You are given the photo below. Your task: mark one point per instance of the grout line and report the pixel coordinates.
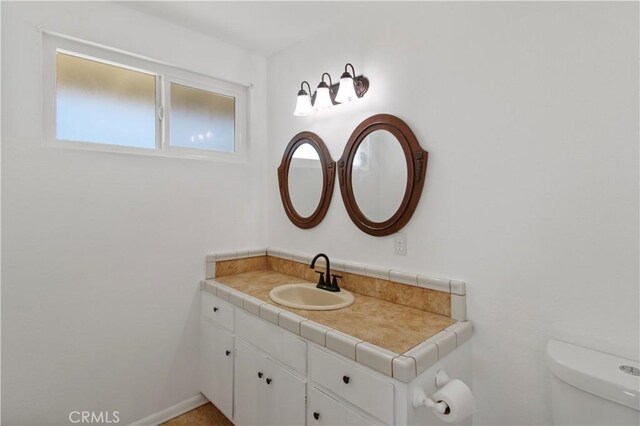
(437, 348)
(355, 349)
(299, 325)
(392, 359)
(415, 364)
(452, 331)
(325, 335)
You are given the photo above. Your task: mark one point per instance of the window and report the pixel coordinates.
(201, 119)
(101, 103)
(102, 99)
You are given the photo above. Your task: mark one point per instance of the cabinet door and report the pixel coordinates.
(216, 366)
(250, 392)
(285, 396)
(326, 411)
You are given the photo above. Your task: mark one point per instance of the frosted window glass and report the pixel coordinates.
(101, 103)
(202, 119)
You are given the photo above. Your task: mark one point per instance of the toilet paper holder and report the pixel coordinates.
(420, 398)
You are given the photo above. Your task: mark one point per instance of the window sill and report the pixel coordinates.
(179, 153)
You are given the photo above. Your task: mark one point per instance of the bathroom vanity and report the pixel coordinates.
(263, 363)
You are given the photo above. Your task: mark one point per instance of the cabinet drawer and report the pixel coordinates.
(330, 412)
(217, 310)
(281, 344)
(354, 384)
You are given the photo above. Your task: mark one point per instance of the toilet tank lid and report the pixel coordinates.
(595, 372)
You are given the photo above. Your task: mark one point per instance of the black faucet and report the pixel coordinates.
(327, 283)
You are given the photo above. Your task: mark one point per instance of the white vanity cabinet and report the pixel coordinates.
(265, 393)
(259, 373)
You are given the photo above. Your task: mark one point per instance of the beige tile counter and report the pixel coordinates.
(400, 324)
(391, 326)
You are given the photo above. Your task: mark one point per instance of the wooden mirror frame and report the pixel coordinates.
(328, 178)
(416, 159)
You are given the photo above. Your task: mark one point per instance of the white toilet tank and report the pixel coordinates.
(589, 387)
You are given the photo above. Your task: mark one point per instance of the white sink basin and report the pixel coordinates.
(307, 296)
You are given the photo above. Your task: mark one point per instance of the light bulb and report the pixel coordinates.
(346, 90)
(303, 104)
(323, 98)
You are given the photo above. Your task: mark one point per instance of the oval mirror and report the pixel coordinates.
(305, 179)
(382, 173)
(379, 175)
(306, 176)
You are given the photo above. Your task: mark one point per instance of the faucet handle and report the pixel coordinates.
(334, 282)
(321, 278)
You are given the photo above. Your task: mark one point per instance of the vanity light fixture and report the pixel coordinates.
(303, 104)
(350, 88)
(323, 94)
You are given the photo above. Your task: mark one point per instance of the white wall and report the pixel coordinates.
(529, 113)
(103, 253)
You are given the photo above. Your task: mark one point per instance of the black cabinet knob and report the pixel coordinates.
(346, 379)
(228, 353)
(260, 374)
(215, 309)
(268, 381)
(316, 415)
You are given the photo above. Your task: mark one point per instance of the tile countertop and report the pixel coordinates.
(416, 338)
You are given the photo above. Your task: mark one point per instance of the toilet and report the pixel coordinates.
(590, 387)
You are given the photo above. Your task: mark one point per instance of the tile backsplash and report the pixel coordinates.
(437, 295)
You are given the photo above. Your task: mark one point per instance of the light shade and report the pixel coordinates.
(303, 105)
(346, 91)
(323, 98)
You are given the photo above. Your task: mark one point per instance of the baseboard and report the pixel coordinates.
(173, 411)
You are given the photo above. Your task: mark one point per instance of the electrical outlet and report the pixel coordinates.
(400, 243)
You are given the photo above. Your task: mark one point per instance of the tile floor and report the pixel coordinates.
(205, 415)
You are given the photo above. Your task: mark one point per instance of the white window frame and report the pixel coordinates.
(165, 75)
